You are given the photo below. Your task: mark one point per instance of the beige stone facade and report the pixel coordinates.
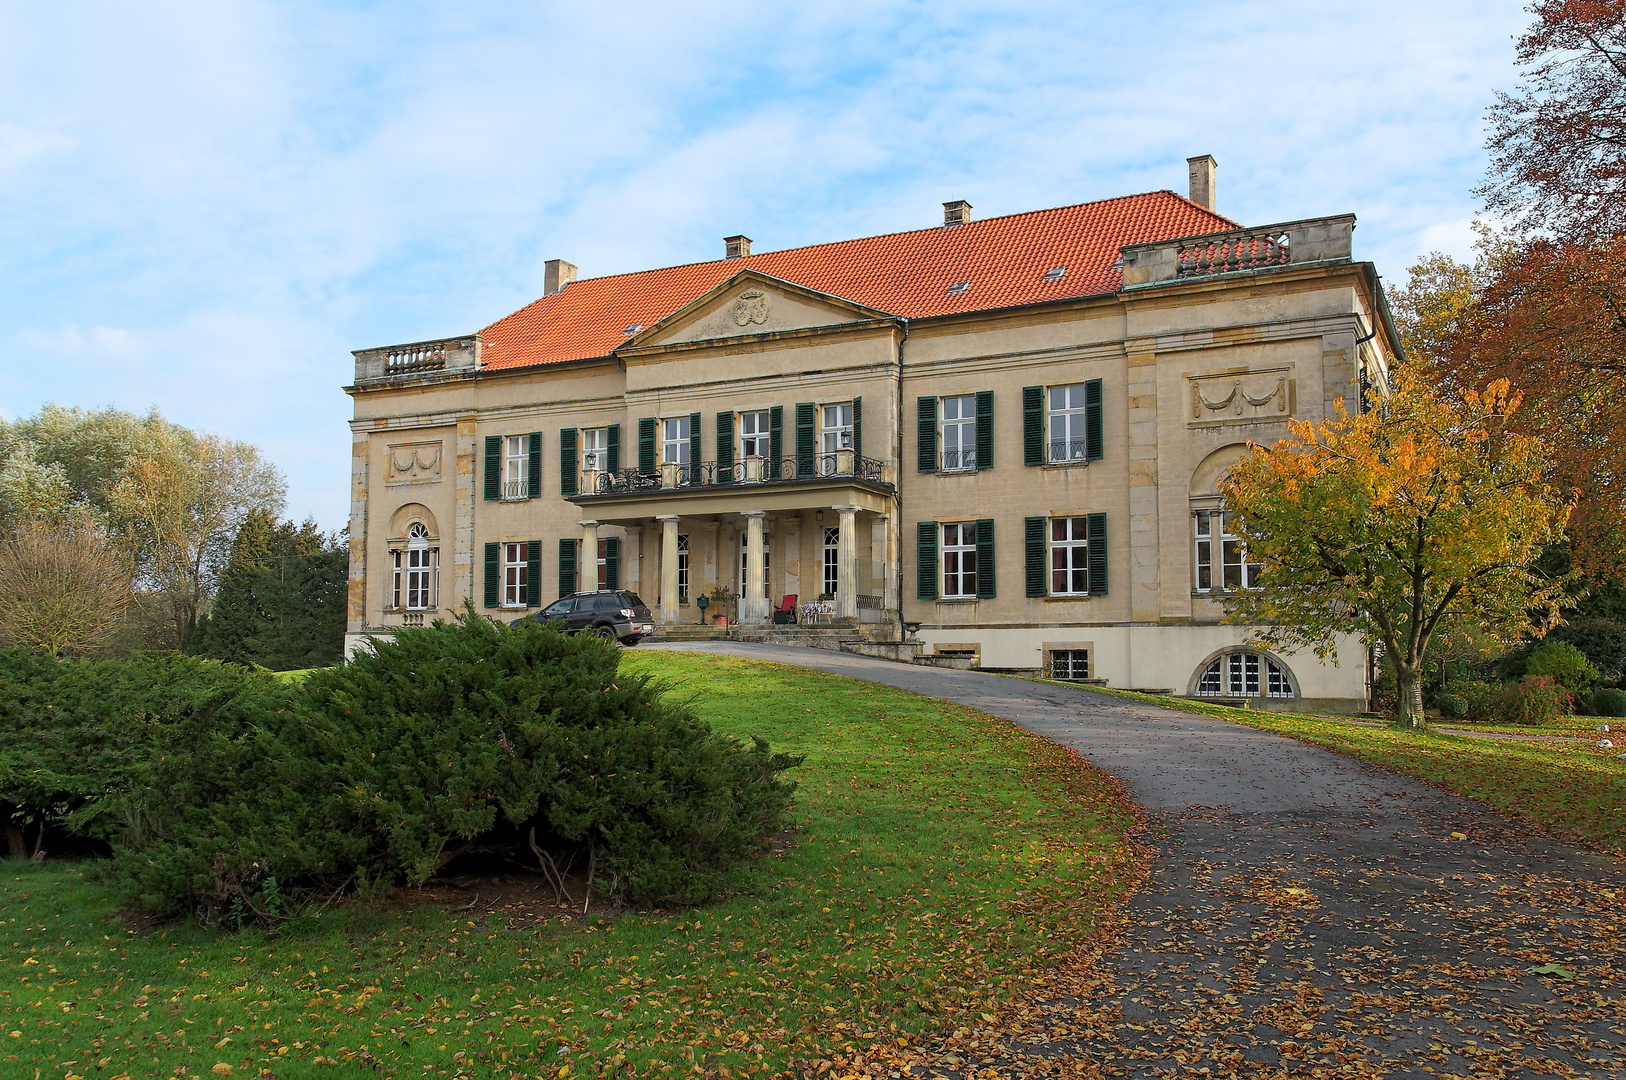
(1026, 484)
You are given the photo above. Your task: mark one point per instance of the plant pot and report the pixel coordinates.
(719, 620)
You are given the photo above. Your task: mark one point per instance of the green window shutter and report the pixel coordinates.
(776, 439)
(725, 448)
(533, 573)
(985, 429)
(695, 451)
(858, 427)
(612, 562)
(1094, 443)
(1034, 529)
(804, 439)
(926, 407)
(493, 467)
(568, 443)
(646, 445)
(567, 567)
(1097, 532)
(926, 560)
(612, 448)
(1033, 425)
(493, 574)
(985, 558)
(533, 471)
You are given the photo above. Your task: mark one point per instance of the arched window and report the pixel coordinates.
(416, 571)
(1243, 673)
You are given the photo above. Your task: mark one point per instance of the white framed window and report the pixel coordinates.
(1070, 663)
(1220, 556)
(416, 572)
(957, 419)
(683, 566)
(960, 560)
(1244, 674)
(595, 448)
(514, 575)
(1069, 557)
(832, 559)
(516, 464)
(754, 434)
(1067, 420)
(603, 563)
(838, 427)
(767, 564)
(675, 440)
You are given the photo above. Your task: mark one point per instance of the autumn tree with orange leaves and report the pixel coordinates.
(1392, 522)
(1544, 306)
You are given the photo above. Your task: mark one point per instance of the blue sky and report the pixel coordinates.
(204, 206)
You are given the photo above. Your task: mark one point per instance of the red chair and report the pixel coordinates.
(787, 611)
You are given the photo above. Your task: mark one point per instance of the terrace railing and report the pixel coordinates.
(743, 473)
(1269, 247)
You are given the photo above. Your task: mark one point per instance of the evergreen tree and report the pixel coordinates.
(282, 598)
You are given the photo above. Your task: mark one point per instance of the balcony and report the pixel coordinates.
(748, 472)
(1270, 247)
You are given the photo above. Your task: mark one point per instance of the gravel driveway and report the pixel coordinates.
(1308, 914)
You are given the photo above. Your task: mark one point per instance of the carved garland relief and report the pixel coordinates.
(1249, 396)
(414, 463)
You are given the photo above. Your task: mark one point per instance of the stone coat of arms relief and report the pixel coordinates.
(414, 463)
(1246, 396)
(751, 307)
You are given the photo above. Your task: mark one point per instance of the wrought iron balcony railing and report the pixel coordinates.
(744, 473)
(958, 461)
(1069, 450)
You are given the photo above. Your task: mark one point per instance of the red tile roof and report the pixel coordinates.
(1004, 260)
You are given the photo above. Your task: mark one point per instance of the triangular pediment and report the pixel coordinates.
(750, 303)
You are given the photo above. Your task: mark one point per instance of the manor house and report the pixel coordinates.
(998, 438)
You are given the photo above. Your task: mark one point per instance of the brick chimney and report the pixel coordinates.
(1202, 179)
(556, 274)
(957, 212)
(736, 247)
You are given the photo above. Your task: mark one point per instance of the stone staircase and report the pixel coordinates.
(865, 639)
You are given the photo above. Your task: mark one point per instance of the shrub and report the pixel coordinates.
(1608, 701)
(457, 738)
(1564, 663)
(1450, 704)
(1536, 699)
(1479, 700)
(1602, 641)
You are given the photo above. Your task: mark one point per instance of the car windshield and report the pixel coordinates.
(556, 609)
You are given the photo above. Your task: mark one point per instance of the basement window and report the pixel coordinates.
(1055, 273)
(959, 287)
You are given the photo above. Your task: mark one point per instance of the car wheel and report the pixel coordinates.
(605, 632)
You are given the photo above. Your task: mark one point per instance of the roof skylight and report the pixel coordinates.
(633, 329)
(1055, 273)
(959, 287)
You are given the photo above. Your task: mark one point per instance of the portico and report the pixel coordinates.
(810, 537)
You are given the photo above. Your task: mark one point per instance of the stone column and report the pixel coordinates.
(356, 603)
(588, 567)
(847, 563)
(669, 569)
(752, 604)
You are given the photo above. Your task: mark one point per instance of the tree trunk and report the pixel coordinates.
(16, 843)
(1409, 695)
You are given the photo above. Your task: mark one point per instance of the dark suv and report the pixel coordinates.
(615, 615)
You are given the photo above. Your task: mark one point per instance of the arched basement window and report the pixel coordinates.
(1244, 674)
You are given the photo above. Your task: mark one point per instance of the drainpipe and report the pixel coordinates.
(897, 499)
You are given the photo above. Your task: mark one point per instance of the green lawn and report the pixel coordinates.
(1570, 788)
(940, 857)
